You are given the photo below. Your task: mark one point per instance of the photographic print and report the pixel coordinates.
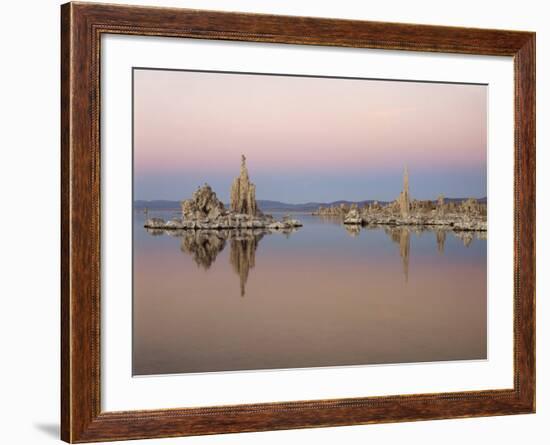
(285, 221)
(274, 222)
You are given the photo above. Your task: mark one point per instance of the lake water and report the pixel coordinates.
(320, 296)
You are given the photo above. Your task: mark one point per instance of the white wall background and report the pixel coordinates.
(29, 222)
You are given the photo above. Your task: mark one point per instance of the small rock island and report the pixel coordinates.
(205, 211)
(466, 215)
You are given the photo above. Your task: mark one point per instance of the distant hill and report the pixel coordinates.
(272, 206)
(156, 205)
(480, 200)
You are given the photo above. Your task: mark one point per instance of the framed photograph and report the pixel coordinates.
(274, 222)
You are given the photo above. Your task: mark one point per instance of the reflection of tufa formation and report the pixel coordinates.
(204, 246)
(205, 211)
(243, 257)
(401, 235)
(467, 215)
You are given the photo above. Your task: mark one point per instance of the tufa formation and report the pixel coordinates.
(243, 193)
(205, 211)
(468, 215)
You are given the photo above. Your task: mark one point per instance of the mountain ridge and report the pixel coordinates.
(271, 205)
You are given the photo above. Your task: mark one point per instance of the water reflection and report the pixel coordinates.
(402, 237)
(468, 237)
(440, 236)
(343, 293)
(353, 229)
(243, 257)
(205, 245)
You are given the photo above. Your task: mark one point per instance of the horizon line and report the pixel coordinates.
(325, 202)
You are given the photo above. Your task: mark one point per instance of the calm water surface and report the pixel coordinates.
(320, 296)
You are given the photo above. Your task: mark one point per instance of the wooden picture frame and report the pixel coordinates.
(82, 25)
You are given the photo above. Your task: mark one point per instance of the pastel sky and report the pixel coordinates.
(307, 138)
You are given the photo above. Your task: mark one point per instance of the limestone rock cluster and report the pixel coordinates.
(353, 216)
(337, 210)
(468, 215)
(204, 204)
(205, 211)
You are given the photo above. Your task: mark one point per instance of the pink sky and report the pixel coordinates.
(189, 122)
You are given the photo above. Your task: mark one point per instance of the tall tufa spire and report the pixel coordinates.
(243, 192)
(404, 197)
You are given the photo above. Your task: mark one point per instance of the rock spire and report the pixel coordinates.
(404, 199)
(243, 193)
(205, 211)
